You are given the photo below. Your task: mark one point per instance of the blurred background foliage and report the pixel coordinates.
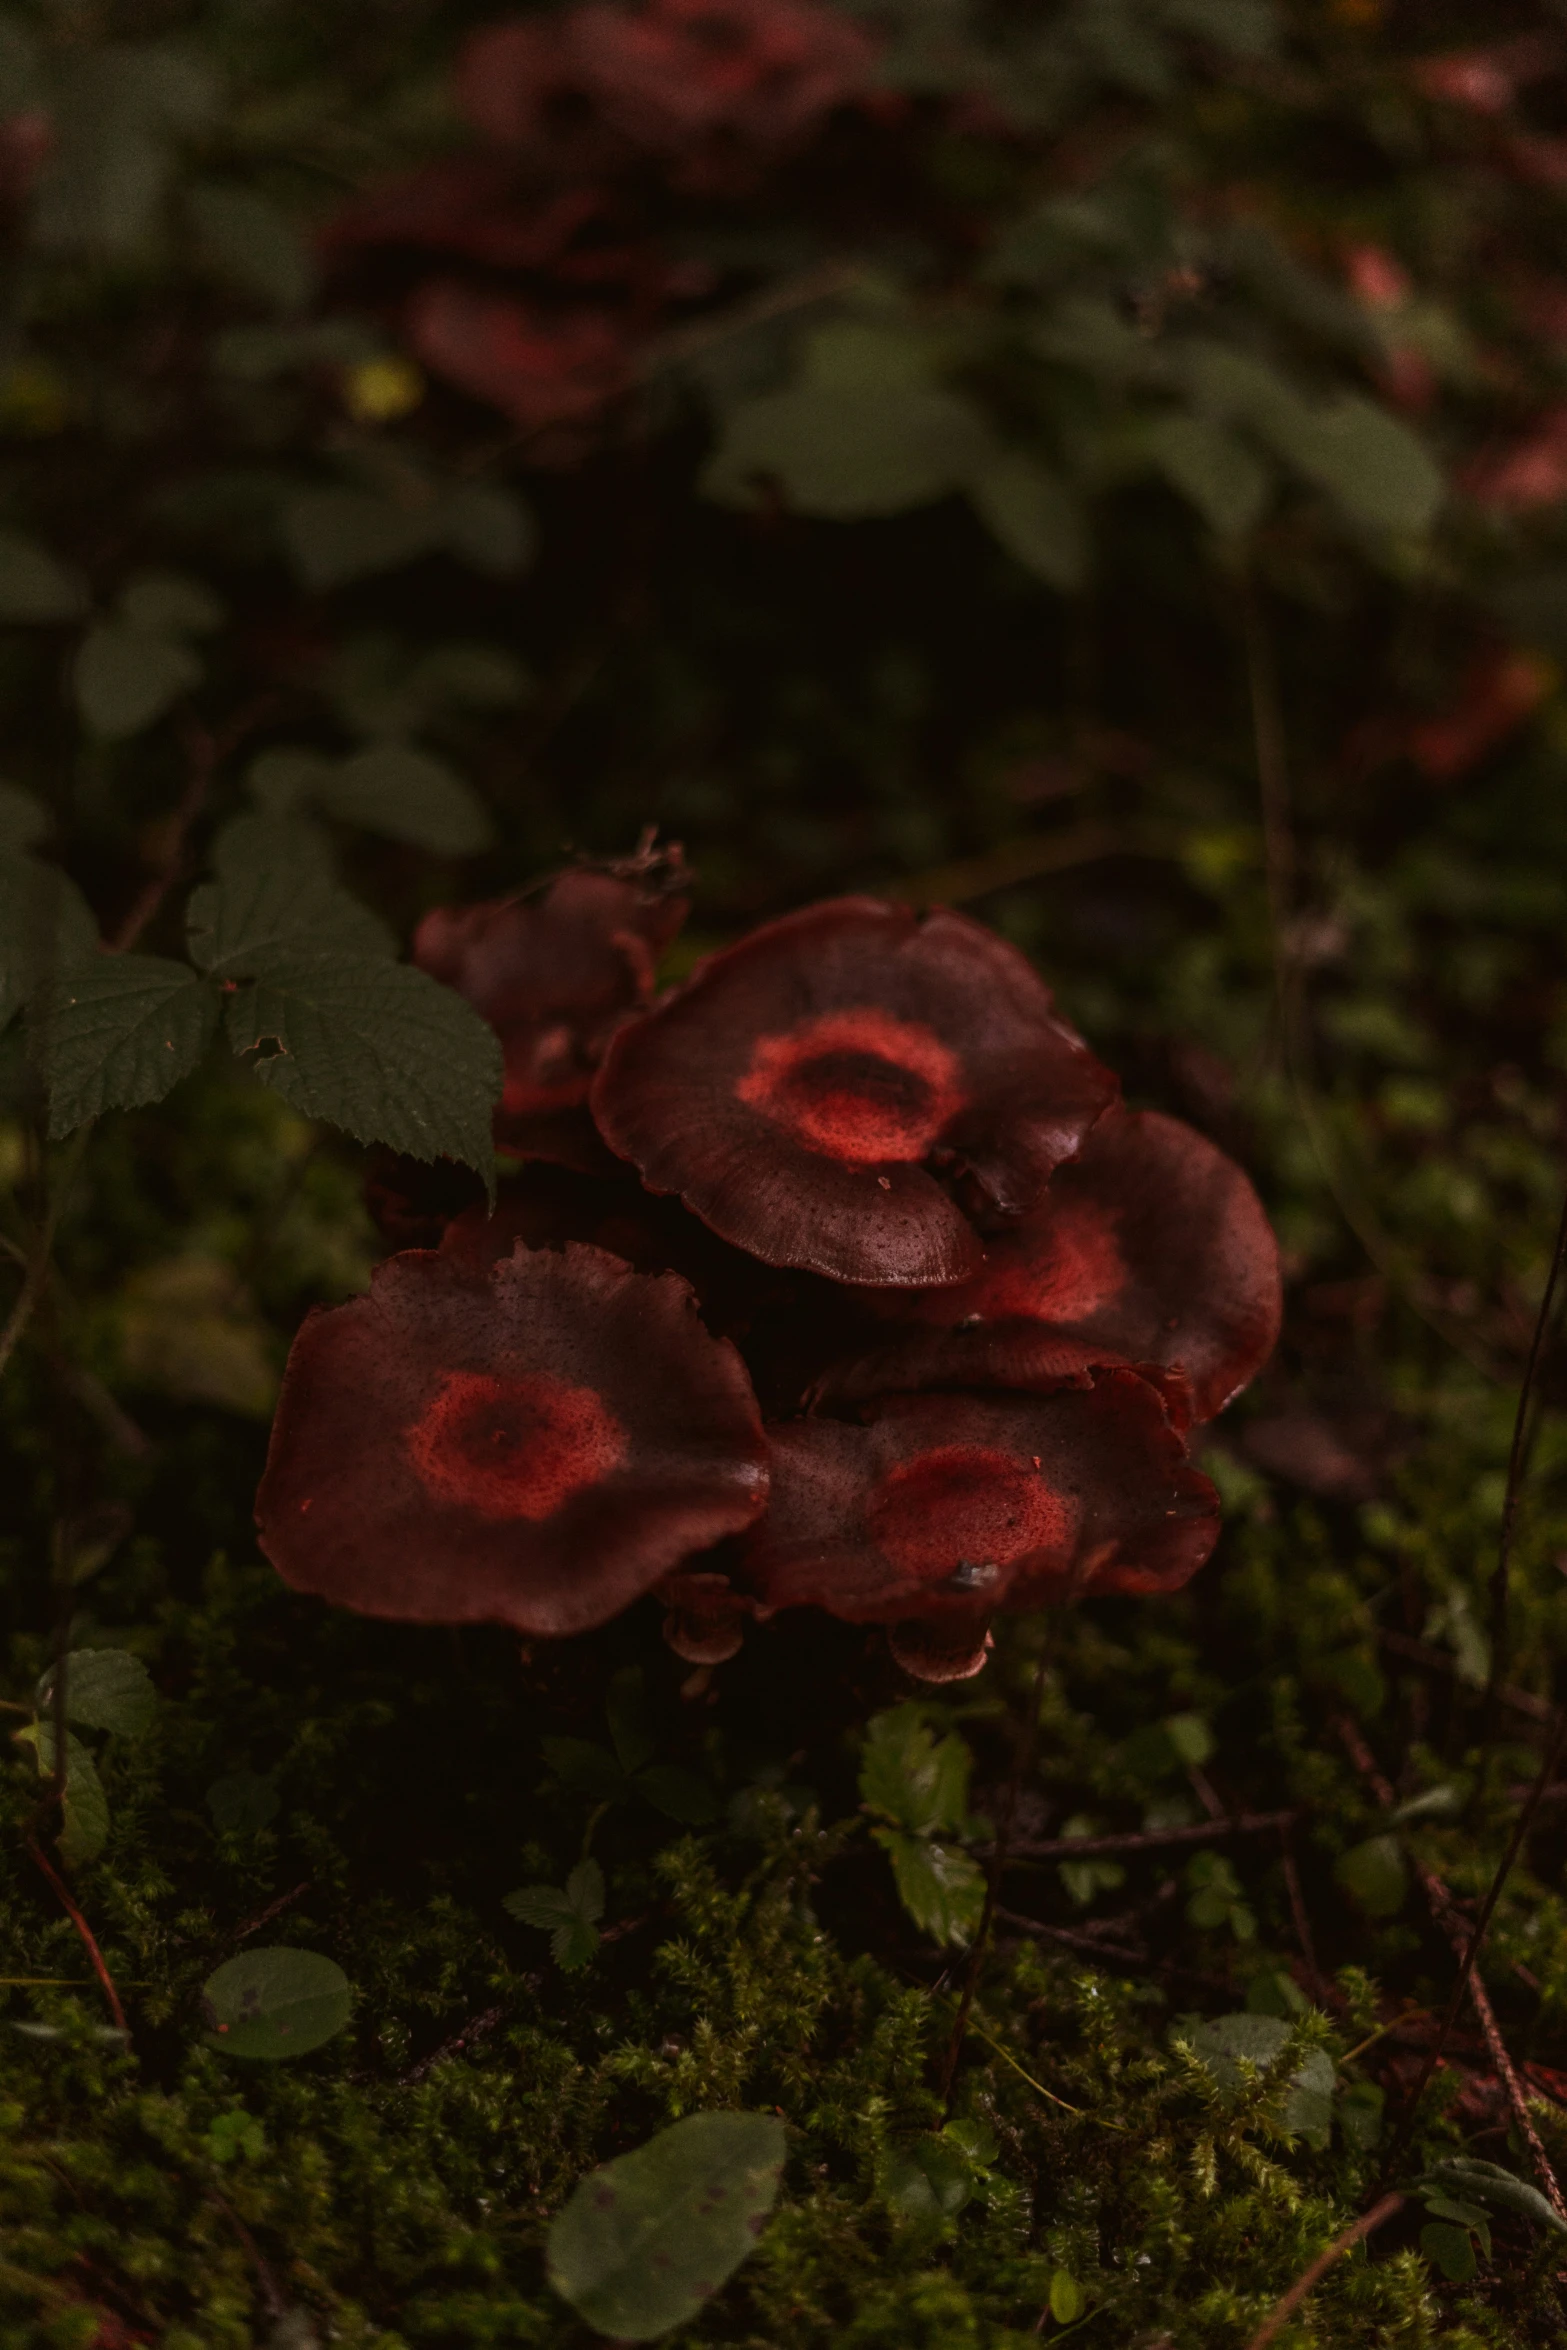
(1103, 464)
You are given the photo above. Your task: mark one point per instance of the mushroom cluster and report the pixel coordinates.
(837, 1277)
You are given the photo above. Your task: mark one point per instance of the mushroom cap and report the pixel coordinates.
(826, 1093)
(533, 1442)
(1150, 1249)
(946, 1508)
(554, 977)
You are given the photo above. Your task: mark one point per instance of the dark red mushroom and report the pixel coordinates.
(1150, 1248)
(942, 1510)
(555, 977)
(535, 1442)
(849, 1087)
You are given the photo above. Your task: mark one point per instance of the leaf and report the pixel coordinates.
(268, 2004)
(928, 2180)
(118, 109)
(105, 1689)
(1452, 2250)
(569, 1914)
(915, 1781)
(34, 586)
(1375, 1875)
(1036, 516)
(1213, 470)
(166, 603)
(1066, 2297)
(243, 1802)
(378, 1049)
(1376, 469)
(125, 677)
(679, 1794)
(188, 1328)
(338, 535)
(408, 795)
(84, 1806)
(1224, 2043)
(24, 820)
(253, 244)
(119, 1032)
(275, 901)
(940, 1887)
(489, 528)
(1360, 2115)
(647, 2240)
(45, 923)
(586, 1770)
(1501, 2188)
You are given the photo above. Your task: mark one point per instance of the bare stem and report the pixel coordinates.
(89, 1941)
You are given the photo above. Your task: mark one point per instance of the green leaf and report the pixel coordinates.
(940, 1887)
(1213, 470)
(1360, 2115)
(1036, 516)
(679, 1794)
(488, 528)
(125, 678)
(378, 1049)
(1067, 2299)
(34, 586)
(267, 2004)
(167, 603)
(253, 244)
(1451, 2249)
(930, 2179)
(45, 924)
(118, 109)
(569, 1914)
(586, 1770)
(84, 1807)
(1307, 2107)
(1490, 2183)
(338, 535)
(119, 1032)
(105, 1689)
(408, 795)
(1191, 1739)
(275, 901)
(1376, 470)
(645, 2242)
(1375, 1875)
(914, 1780)
(24, 820)
(243, 1802)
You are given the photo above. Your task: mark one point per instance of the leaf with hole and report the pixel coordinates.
(105, 1689)
(378, 1049)
(646, 2241)
(120, 1032)
(268, 2004)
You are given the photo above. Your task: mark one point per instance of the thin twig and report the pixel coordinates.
(1150, 1839)
(1515, 1465)
(1274, 2323)
(478, 2028)
(1020, 1767)
(275, 2304)
(1301, 1917)
(1440, 1660)
(85, 1931)
(265, 1916)
(1139, 1961)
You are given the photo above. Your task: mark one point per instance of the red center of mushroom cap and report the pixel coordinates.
(1066, 1272)
(965, 1511)
(514, 1447)
(860, 1085)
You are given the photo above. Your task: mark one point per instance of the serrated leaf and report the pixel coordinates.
(24, 819)
(917, 1781)
(167, 603)
(379, 1049)
(119, 1032)
(125, 678)
(407, 795)
(940, 1887)
(679, 1794)
(544, 1906)
(268, 2004)
(338, 535)
(35, 587)
(274, 903)
(1375, 1875)
(105, 1689)
(570, 1915)
(1036, 516)
(84, 1807)
(646, 2241)
(1213, 469)
(45, 924)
